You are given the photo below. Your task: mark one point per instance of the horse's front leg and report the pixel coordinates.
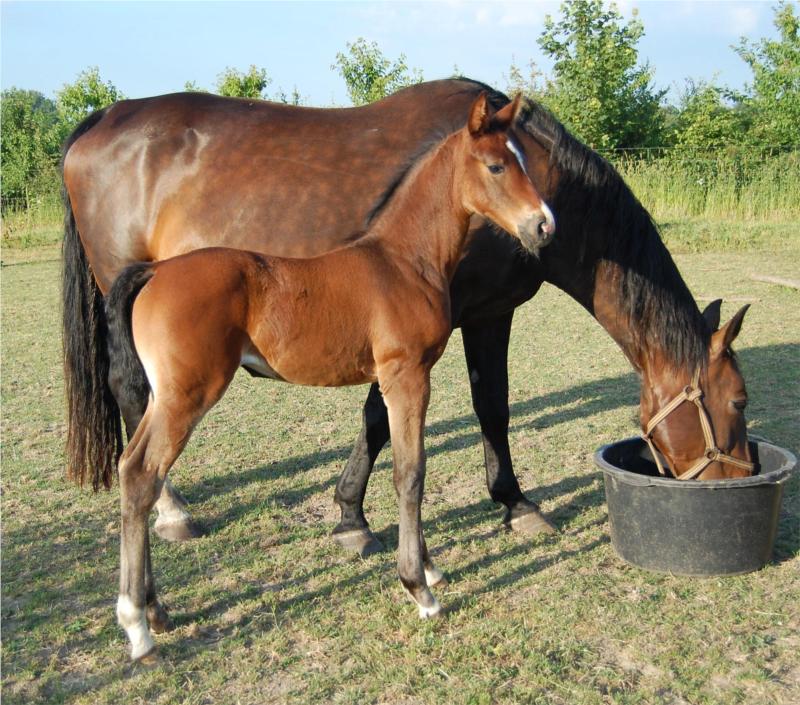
(406, 394)
(486, 351)
(353, 532)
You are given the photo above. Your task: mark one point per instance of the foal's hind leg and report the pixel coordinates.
(486, 351)
(173, 523)
(155, 446)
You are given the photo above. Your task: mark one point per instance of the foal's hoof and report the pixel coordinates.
(158, 619)
(531, 523)
(176, 531)
(435, 610)
(360, 541)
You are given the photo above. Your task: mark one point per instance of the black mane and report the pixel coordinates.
(601, 219)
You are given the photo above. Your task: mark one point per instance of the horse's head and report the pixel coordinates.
(696, 419)
(494, 178)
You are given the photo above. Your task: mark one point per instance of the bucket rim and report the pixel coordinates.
(774, 477)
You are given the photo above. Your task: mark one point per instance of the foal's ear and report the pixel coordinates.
(478, 121)
(722, 339)
(711, 313)
(506, 116)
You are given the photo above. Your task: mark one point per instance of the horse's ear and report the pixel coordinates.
(711, 313)
(478, 122)
(722, 339)
(507, 115)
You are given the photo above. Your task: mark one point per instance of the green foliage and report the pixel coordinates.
(773, 104)
(29, 148)
(369, 75)
(599, 90)
(705, 117)
(236, 84)
(88, 93)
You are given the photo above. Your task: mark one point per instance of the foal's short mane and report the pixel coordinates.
(597, 209)
(496, 100)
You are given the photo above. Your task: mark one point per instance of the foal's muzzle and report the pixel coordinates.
(538, 230)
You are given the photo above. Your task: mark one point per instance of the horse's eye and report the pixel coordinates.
(496, 168)
(739, 404)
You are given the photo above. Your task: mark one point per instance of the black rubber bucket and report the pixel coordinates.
(692, 527)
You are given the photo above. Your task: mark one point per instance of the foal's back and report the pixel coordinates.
(321, 321)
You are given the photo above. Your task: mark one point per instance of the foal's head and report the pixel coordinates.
(494, 178)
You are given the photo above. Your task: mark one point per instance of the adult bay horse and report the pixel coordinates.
(218, 167)
(376, 310)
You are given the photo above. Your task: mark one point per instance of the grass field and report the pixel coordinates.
(268, 609)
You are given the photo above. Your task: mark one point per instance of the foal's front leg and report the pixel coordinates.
(406, 394)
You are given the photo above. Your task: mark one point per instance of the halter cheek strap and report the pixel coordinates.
(694, 394)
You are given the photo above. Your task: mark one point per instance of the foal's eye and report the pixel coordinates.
(496, 168)
(739, 404)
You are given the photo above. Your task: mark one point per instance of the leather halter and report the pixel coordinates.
(694, 394)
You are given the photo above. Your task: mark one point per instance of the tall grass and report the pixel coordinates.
(742, 184)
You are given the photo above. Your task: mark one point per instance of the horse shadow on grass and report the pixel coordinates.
(533, 414)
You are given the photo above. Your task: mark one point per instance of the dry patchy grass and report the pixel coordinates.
(267, 609)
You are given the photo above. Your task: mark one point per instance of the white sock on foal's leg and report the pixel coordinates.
(133, 620)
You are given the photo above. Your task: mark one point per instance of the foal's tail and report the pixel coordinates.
(94, 434)
(126, 375)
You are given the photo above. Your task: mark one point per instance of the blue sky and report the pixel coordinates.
(146, 48)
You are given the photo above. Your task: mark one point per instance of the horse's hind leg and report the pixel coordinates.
(486, 351)
(353, 532)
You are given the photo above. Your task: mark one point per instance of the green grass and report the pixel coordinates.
(267, 609)
(715, 185)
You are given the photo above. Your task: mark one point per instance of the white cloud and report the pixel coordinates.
(743, 20)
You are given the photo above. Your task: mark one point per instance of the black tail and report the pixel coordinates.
(126, 376)
(94, 435)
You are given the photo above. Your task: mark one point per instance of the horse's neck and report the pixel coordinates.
(425, 221)
(596, 279)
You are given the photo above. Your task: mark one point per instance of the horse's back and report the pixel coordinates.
(159, 176)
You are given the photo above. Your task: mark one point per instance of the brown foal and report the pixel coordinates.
(376, 310)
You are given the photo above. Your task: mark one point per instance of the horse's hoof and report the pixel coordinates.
(531, 523)
(176, 531)
(360, 541)
(158, 619)
(435, 578)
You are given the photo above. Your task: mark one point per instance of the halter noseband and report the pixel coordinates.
(694, 394)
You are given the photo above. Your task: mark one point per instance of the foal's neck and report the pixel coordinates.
(425, 220)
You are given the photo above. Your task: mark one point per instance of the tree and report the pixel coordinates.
(706, 117)
(369, 75)
(528, 83)
(236, 84)
(599, 90)
(88, 93)
(30, 145)
(773, 101)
